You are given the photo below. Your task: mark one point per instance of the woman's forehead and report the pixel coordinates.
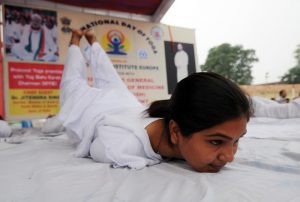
(232, 129)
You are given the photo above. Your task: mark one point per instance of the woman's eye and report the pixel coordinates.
(215, 142)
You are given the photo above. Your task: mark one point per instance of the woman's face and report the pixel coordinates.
(209, 150)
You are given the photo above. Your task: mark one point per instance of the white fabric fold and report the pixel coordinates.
(5, 129)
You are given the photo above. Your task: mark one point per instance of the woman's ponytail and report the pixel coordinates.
(159, 109)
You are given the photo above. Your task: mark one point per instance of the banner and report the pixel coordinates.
(149, 57)
(33, 88)
(142, 53)
(1, 82)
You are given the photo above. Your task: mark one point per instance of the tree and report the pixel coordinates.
(232, 62)
(293, 74)
(297, 55)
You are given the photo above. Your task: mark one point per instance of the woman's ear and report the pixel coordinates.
(174, 131)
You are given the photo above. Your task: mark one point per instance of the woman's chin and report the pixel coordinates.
(210, 169)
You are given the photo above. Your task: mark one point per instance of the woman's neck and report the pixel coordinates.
(159, 140)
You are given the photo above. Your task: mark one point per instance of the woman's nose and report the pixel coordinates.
(227, 154)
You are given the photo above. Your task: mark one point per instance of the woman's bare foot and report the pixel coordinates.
(76, 36)
(90, 36)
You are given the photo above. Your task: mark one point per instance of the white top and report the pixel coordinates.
(5, 129)
(281, 100)
(107, 119)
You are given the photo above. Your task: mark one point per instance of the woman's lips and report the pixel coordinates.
(215, 167)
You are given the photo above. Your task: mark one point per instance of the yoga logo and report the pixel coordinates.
(115, 42)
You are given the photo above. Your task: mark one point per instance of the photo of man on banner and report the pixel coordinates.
(31, 34)
(180, 62)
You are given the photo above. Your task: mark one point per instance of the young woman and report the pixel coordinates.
(201, 123)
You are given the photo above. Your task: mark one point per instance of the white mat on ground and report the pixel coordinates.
(35, 167)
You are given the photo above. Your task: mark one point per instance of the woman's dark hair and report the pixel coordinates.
(202, 100)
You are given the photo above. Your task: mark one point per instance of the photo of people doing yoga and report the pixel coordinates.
(201, 123)
(31, 34)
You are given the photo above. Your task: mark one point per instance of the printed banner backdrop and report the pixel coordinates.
(137, 50)
(1, 83)
(34, 88)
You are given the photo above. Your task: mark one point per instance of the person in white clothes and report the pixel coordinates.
(11, 33)
(273, 109)
(5, 129)
(181, 61)
(201, 123)
(282, 97)
(36, 43)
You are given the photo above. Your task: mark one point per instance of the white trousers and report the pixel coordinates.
(84, 107)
